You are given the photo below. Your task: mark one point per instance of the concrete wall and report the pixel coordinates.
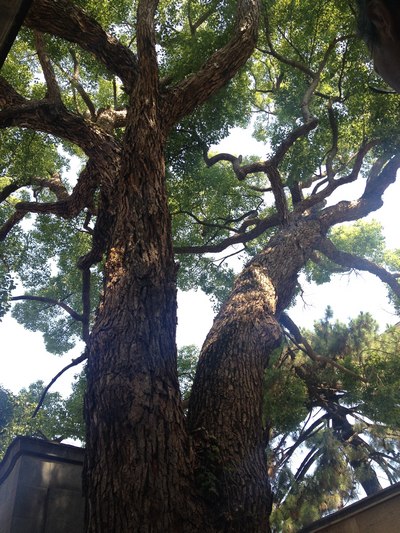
(40, 488)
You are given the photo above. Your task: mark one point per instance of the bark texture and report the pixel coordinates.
(145, 472)
(225, 410)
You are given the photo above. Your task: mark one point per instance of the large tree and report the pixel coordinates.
(116, 84)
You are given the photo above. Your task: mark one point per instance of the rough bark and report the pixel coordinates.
(137, 463)
(143, 471)
(226, 402)
(139, 468)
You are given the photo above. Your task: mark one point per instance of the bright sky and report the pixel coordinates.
(23, 358)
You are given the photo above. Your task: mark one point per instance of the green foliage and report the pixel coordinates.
(363, 238)
(187, 362)
(347, 429)
(57, 419)
(285, 397)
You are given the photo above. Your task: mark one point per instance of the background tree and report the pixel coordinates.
(344, 421)
(116, 87)
(55, 421)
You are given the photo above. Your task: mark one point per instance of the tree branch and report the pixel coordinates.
(259, 228)
(53, 90)
(74, 362)
(51, 301)
(146, 45)
(68, 206)
(64, 19)
(182, 99)
(299, 340)
(13, 220)
(360, 263)
(371, 200)
(51, 117)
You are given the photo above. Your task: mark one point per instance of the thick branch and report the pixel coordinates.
(332, 185)
(53, 90)
(146, 45)
(370, 201)
(53, 118)
(64, 19)
(14, 219)
(68, 206)
(218, 69)
(360, 263)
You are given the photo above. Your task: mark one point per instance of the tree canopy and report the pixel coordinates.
(138, 93)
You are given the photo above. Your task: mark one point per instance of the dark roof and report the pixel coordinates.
(353, 509)
(12, 14)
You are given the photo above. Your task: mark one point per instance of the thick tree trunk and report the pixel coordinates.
(137, 471)
(225, 410)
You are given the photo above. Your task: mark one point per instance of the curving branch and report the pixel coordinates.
(371, 200)
(68, 205)
(63, 19)
(303, 345)
(318, 197)
(12, 221)
(348, 260)
(51, 117)
(74, 362)
(51, 301)
(282, 59)
(74, 81)
(260, 227)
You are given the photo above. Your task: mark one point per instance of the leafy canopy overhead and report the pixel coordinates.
(309, 68)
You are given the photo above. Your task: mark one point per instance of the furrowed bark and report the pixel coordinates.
(138, 472)
(137, 466)
(225, 408)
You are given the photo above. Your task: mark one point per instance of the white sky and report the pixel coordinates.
(23, 358)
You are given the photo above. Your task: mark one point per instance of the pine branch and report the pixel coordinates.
(302, 343)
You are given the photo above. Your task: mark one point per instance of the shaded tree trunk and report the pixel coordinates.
(358, 454)
(138, 470)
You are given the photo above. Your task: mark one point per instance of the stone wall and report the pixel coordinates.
(40, 488)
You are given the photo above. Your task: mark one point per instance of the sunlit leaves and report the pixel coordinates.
(361, 238)
(58, 418)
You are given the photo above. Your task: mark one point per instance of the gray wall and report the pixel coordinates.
(40, 488)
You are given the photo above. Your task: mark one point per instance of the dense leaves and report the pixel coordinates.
(58, 419)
